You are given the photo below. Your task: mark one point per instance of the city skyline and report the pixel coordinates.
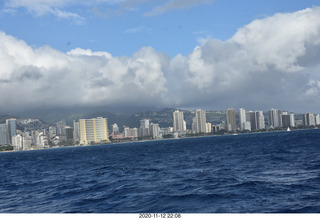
(95, 130)
(182, 54)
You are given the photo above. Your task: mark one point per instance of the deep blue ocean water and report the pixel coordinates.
(252, 173)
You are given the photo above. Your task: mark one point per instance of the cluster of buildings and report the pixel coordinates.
(92, 131)
(146, 130)
(256, 120)
(83, 132)
(244, 121)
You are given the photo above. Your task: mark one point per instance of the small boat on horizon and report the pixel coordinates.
(288, 129)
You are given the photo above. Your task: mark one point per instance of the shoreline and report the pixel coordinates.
(165, 139)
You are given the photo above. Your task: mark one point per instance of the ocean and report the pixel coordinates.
(272, 172)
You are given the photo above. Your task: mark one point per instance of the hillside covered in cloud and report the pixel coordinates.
(271, 62)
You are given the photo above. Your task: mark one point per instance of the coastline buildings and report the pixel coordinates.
(93, 130)
(280, 119)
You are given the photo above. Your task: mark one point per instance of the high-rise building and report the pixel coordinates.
(154, 130)
(3, 134)
(261, 123)
(11, 129)
(34, 137)
(130, 132)
(231, 119)
(309, 119)
(208, 127)
(317, 119)
(26, 141)
(200, 121)
(76, 131)
(253, 119)
(292, 120)
(243, 120)
(93, 130)
(60, 127)
(194, 124)
(42, 140)
(114, 129)
(17, 142)
(178, 121)
(247, 125)
(68, 132)
(144, 128)
(144, 123)
(285, 119)
(256, 119)
(52, 131)
(274, 118)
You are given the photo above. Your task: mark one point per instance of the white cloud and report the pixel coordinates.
(271, 62)
(47, 77)
(267, 63)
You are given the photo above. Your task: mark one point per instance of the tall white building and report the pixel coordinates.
(76, 131)
(52, 131)
(144, 123)
(178, 121)
(243, 120)
(93, 130)
(17, 142)
(208, 127)
(274, 118)
(26, 141)
(144, 128)
(292, 120)
(261, 123)
(317, 119)
(60, 126)
(114, 129)
(42, 140)
(154, 130)
(200, 121)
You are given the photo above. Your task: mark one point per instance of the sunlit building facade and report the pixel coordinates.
(93, 130)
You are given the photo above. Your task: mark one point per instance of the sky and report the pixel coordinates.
(188, 54)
